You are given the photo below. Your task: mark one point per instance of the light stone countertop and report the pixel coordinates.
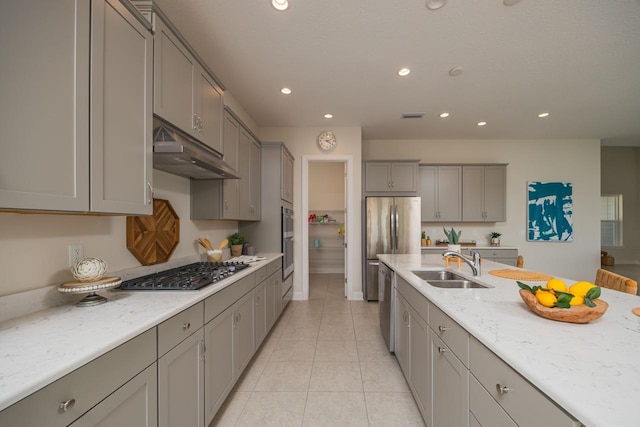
(39, 348)
(591, 370)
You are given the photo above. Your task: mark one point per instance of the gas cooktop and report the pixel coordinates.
(189, 277)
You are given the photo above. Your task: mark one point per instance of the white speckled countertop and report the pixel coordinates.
(591, 370)
(39, 348)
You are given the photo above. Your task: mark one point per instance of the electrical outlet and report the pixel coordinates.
(76, 253)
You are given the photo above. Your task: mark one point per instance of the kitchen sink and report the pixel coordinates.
(429, 275)
(447, 279)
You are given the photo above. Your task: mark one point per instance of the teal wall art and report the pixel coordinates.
(550, 211)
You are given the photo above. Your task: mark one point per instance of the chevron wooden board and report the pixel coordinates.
(153, 238)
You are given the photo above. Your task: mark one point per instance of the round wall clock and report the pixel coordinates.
(327, 141)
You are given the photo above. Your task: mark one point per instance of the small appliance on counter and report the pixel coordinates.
(89, 273)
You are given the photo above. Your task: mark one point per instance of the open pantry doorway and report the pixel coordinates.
(327, 210)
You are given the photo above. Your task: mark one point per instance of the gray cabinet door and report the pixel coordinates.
(44, 156)
(286, 178)
(404, 176)
(230, 187)
(121, 117)
(133, 404)
(495, 190)
(174, 73)
(255, 210)
(441, 193)
(260, 324)
(420, 361)
(483, 410)
(244, 168)
(181, 384)
(376, 175)
(273, 292)
(484, 193)
(403, 324)
(218, 361)
(428, 193)
(450, 386)
(243, 334)
(208, 108)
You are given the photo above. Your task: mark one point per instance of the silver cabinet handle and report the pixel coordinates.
(195, 121)
(203, 349)
(67, 405)
(502, 389)
(150, 200)
(186, 326)
(239, 317)
(442, 350)
(442, 328)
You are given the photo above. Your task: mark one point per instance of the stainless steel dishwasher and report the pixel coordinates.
(386, 305)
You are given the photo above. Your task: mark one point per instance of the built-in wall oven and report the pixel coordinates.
(287, 242)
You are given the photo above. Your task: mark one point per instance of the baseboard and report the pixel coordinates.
(356, 296)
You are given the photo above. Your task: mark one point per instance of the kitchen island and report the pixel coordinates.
(40, 348)
(589, 370)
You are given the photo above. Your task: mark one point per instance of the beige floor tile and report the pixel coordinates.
(383, 376)
(250, 376)
(335, 376)
(273, 409)
(336, 351)
(285, 376)
(368, 332)
(329, 409)
(392, 409)
(230, 411)
(295, 332)
(338, 332)
(358, 307)
(299, 351)
(374, 351)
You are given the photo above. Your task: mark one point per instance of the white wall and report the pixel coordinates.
(34, 247)
(575, 161)
(302, 142)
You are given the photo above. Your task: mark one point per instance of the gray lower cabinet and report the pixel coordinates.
(419, 357)
(243, 334)
(403, 323)
(133, 404)
(219, 378)
(99, 145)
(483, 410)
(260, 318)
(450, 386)
(127, 372)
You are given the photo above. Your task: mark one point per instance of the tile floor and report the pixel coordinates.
(323, 364)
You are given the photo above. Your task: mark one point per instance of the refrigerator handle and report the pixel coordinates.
(392, 231)
(397, 219)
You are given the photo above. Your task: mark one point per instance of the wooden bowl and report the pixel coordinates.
(575, 314)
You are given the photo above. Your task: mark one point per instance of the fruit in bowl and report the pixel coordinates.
(89, 269)
(578, 303)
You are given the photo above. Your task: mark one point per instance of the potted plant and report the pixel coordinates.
(423, 238)
(495, 238)
(453, 238)
(236, 241)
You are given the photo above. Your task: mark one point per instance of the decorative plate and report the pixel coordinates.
(575, 314)
(153, 238)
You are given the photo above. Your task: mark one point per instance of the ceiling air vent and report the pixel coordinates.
(413, 115)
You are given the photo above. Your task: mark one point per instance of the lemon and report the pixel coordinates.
(576, 301)
(546, 298)
(580, 289)
(557, 285)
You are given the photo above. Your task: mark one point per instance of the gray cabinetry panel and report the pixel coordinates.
(484, 193)
(219, 361)
(391, 177)
(441, 193)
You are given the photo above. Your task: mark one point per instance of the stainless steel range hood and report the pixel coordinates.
(178, 154)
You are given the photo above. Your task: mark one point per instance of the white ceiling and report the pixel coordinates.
(577, 59)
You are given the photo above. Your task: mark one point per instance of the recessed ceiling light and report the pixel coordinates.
(510, 2)
(482, 123)
(456, 71)
(285, 91)
(280, 4)
(404, 72)
(543, 115)
(328, 116)
(444, 115)
(435, 4)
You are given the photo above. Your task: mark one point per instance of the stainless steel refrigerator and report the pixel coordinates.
(392, 227)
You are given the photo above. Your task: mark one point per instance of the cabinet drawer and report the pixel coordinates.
(450, 332)
(414, 298)
(86, 386)
(522, 401)
(484, 409)
(274, 266)
(496, 253)
(261, 274)
(216, 304)
(173, 331)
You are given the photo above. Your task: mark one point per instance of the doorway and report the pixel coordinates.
(326, 246)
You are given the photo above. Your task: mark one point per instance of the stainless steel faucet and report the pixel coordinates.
(473, 262)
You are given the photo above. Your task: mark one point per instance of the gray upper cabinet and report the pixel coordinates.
(93, 123)
(484, 193)
(385, 177)
(441, 193)
(121, 119)
(249, 167)
(44, 134)
(230, 187)
(286, 179)
(184, 93)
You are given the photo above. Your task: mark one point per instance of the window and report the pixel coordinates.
(611, 220)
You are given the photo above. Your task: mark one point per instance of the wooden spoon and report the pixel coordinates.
(223, 244)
